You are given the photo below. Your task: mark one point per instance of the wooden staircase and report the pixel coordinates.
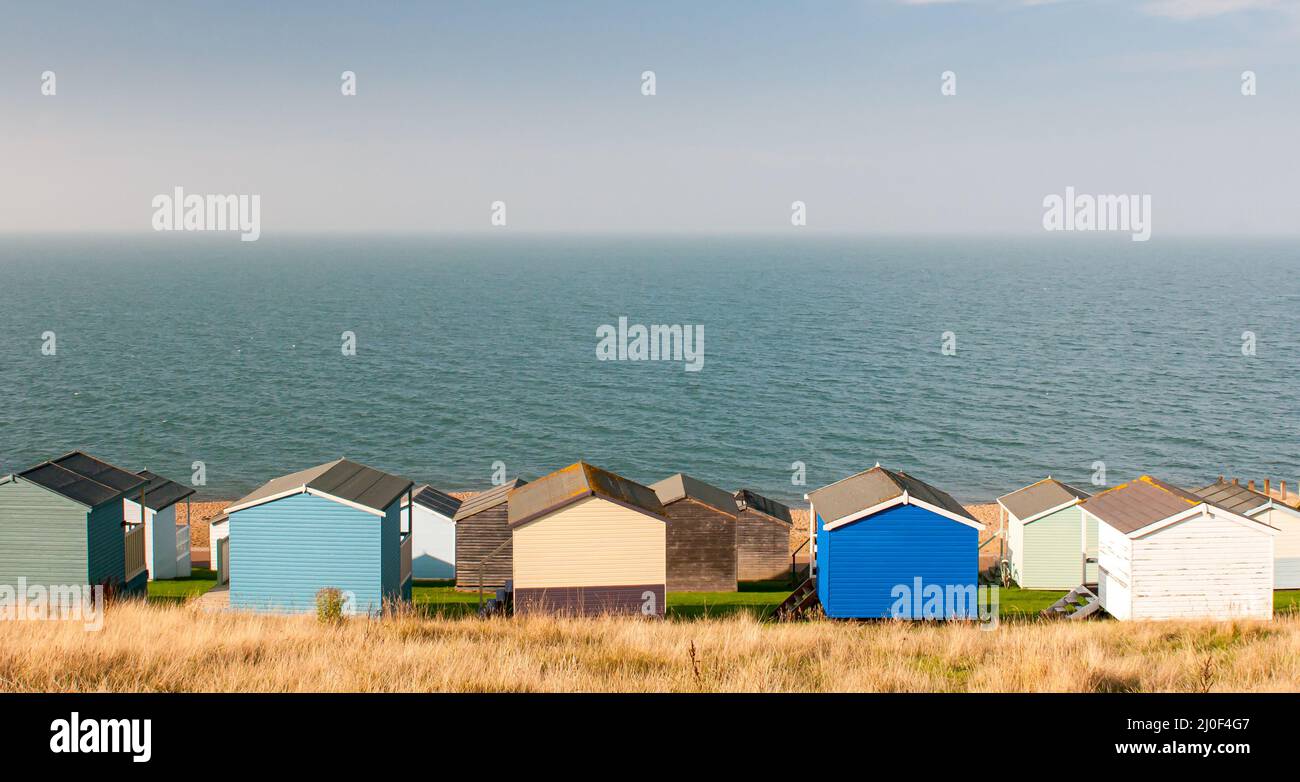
(1079, 603)
(800, 600)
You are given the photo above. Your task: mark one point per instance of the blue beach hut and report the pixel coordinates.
(336, 525)
(886, 544)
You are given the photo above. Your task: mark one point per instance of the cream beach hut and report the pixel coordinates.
(586, 542)
(1048, 542)
(1261, 507)
(1166, 553)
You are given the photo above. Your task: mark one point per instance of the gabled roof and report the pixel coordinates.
(352, 483)
(1233, 497)
(1140, 503)
(575, 482)
(682, 487)
(161, 493)
(434, 500)
(487, 500)
(845, 498)
(83, 479)
(747, 500)
(1036, 499)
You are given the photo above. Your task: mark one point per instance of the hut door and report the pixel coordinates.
(223, 561)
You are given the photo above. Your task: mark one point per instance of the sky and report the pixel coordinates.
(757, 105)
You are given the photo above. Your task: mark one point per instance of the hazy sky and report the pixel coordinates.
(539, 105)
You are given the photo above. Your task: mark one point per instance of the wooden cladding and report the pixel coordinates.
(701, 548)
(762, 547)
(477, 536)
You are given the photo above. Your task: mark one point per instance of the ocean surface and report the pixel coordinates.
(824, 351)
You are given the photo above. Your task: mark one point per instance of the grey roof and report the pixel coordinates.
(488, 499)
(1140, 503)
(346, 480)
(747, 499)
(1233, 496)
(434, 500)
(83, 478)
(872, 487)
(573, 483)
(161, 493)
(1042, 496)
(681, 487)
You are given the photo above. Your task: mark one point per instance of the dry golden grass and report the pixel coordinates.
(180, 648)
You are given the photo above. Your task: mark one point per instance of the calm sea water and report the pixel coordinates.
(825, 351)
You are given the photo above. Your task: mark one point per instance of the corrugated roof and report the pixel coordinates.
(1233, 496)
(750, 499)
(434, 500)
(681, 486)
(83, 478)
(1140, 503)
(344, 479)
(1042, 496)
(488, 499)
(161, 493)
(872, 487)
(578, 480)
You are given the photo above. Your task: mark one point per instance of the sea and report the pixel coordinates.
(977, 364)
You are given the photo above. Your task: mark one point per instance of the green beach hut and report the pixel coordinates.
(1047, 545)
(61, 524)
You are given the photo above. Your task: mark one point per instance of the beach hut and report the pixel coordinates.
(1048, 542)
(335, 525)
(588, 542)
(762, 537)
(483, 552)
(887, 544)
(62, 524)
(1166, 553)
(166, 542)
(219, 546)
(1261, 507)
(701, 535)
(433, 532)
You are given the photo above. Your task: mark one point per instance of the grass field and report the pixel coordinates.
(178, 589)
(153, 646)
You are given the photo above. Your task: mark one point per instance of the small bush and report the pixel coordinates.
(329, 605)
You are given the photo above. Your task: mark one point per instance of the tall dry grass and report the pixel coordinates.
(180, 648)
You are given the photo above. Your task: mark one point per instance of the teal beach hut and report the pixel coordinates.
(337, 525)
(61, 524)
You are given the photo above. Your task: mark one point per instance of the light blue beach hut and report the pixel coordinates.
(335, 525)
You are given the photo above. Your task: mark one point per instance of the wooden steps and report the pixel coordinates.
(800, 600)
(1079, 603)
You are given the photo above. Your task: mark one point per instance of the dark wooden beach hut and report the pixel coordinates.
(762, 537)
(701, 535)
(483, 538)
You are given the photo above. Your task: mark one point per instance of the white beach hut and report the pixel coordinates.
(166, 543)
(1166, 553)
(1273, 512)
(433, 533)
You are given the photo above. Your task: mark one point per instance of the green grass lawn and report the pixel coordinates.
(1286, 601)
(178, 589)
(759, 598)
(441, 598)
